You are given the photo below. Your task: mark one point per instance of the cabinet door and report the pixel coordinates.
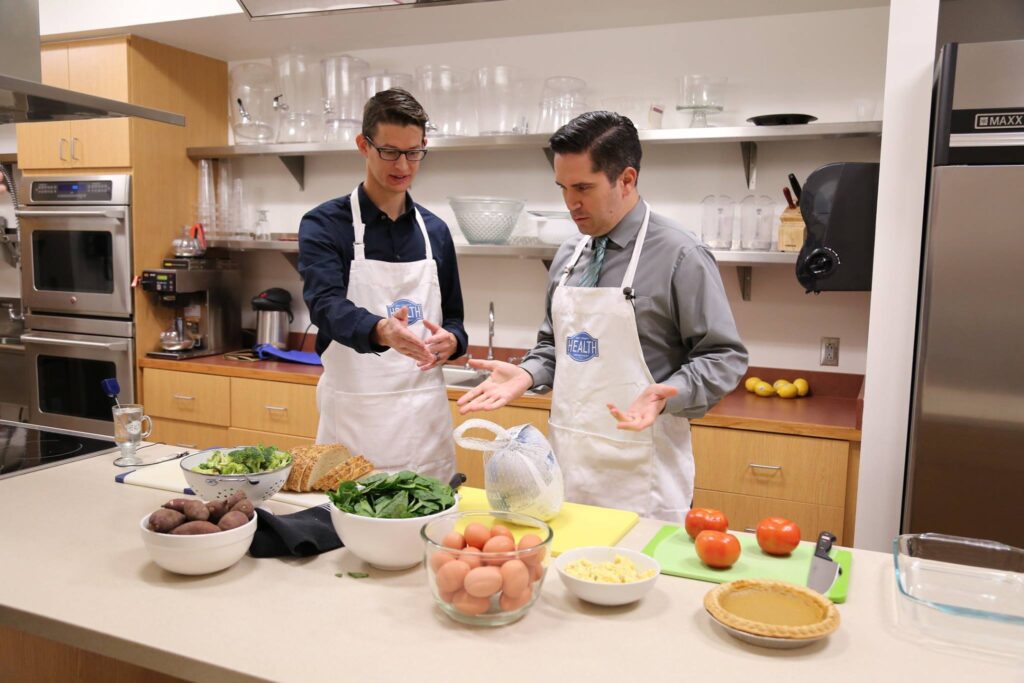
(44, 146)
(54, 65)
(471, 463)
(744, 512)
(251, 437)
(99, 67)
(187, 396)
(100, 143)
(188, 434)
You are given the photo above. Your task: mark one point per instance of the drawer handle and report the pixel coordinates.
(183, 397)
(750, 530)
(773, 468)
(186, 445)
(279, 409)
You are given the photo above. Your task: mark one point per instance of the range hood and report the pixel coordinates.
(24, 99)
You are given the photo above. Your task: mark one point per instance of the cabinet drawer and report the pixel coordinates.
(744, 512)
(277, 407)
(187, 396)
(798, 468)
(249, 437)
(188, 434)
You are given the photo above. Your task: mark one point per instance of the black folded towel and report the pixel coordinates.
(305, 533)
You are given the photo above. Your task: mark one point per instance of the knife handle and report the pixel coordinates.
(824, 545)
(795, 184)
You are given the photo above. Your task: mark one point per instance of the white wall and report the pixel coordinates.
(75, 16)
(817, 63)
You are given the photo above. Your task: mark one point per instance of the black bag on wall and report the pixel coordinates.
(838, 205)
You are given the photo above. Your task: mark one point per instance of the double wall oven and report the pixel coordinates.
(76, 289)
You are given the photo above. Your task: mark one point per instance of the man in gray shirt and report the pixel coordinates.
(636, 316)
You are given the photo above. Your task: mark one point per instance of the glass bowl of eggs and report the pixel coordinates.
(486, 568)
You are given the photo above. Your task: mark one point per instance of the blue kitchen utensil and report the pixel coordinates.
(111, 389)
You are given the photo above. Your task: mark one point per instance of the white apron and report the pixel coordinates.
(383, 406)
(599, 361)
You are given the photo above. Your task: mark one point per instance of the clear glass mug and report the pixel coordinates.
(131, 426)
(757, 222)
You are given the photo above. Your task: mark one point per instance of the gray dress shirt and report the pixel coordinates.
(686, 328)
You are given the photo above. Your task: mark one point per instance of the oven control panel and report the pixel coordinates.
(86, 191)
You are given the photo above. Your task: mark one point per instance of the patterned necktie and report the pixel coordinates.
(593, 270)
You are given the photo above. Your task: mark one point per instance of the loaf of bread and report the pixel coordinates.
(321, 467)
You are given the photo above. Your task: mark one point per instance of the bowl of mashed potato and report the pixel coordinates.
(607, 576)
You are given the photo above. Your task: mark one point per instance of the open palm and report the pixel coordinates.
(645, 409)
(506, 382)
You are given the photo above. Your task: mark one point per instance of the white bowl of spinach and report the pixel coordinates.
(379, 517)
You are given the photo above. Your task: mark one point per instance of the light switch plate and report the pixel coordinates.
(830, 351)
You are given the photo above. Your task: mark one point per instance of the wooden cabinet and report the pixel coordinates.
(471, 463)
(751, 475)
(95, 67)
(196, 410)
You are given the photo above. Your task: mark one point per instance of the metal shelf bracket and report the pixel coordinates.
(746, 277)
(297, 167)
(749, 151)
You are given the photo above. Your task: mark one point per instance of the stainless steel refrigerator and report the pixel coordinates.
(965, 456)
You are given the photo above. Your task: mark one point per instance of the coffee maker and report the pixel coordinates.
(207, 317)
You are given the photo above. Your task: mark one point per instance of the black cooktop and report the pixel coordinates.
(25, 447)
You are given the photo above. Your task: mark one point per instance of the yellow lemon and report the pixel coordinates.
(780, 383)
(787, 391)
(751, 383)
(802, 387)
(764, 389)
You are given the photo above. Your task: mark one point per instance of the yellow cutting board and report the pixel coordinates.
(574, 527)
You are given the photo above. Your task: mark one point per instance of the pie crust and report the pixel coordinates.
(774, 609)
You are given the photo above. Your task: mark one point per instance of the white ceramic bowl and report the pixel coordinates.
(257, 487)
(607, 593)
(554, 227)
(200, 554)
(389, 544)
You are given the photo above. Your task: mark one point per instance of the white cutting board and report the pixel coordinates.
(167, 476)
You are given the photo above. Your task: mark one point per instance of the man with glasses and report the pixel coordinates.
(382, 286)
(638, 337)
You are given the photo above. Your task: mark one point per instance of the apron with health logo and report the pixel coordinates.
(598, 360)
(383, 406)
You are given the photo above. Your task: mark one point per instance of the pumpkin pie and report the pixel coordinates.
(772, 609)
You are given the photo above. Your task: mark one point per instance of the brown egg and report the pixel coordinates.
(499, 544)
(515, 578)
(536, 572)
(471, 556)
(477, 534)
(468, 604)
(451, 575)
(510, 604)
(439, 558)
(446, 595)
(499, 530)
(483, 582)
(530, 541)
(454, 540)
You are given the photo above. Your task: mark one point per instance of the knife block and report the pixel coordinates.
(791, 230)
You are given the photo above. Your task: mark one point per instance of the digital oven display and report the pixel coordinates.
(75, 191)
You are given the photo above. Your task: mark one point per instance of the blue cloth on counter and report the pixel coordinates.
(307, 357)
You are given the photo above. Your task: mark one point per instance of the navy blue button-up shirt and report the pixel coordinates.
(326, 238)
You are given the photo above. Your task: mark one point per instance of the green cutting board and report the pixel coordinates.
(675, 552)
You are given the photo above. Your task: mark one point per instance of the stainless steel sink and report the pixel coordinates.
(461, 377)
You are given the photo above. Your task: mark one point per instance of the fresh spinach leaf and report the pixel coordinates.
(396, 496)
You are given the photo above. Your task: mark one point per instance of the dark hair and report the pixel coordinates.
(395, 106)
(610, 139)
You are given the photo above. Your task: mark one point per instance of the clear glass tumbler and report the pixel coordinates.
(757, 221)
(717, 217)
(131, 426)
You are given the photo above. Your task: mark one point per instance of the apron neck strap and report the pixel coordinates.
(627, 280)
(360, 228)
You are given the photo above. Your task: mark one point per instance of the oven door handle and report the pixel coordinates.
(69, 213)
(110, 346)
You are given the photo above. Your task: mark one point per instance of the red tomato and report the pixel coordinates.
(718, 549)
(777, 535)
(699, 519)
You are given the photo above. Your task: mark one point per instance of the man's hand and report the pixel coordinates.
(440, 344)
(645, 409)
(506, 383)
(395, 332)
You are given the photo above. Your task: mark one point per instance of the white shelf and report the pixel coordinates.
(755, 258)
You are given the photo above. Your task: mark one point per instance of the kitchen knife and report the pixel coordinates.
(796, 188)
(789, 197)
(824, 570)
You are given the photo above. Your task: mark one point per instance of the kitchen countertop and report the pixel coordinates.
(75, 571)
(834, 411)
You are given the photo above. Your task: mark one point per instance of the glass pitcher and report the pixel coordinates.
(253, 116)
(757, 216)
(717, 218)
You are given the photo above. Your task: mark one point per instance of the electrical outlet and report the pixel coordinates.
(830, 351)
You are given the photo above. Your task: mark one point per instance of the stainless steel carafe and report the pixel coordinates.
(272, 328)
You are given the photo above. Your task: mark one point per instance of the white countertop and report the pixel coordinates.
(73, 569)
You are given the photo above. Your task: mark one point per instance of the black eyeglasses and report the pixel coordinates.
(392, 154)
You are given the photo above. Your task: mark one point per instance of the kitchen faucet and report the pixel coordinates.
(490, 332)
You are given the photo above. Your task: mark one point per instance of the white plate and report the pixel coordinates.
(767, 641)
